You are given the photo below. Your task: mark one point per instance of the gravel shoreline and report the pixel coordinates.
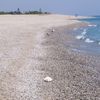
(31, 50)
(75, 75)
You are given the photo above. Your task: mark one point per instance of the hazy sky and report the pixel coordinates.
(82, 7)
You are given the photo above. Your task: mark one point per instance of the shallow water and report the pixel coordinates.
(88, 38)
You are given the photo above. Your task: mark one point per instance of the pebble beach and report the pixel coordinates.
(37, 47)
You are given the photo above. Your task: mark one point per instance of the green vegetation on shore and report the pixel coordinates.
(18, 11)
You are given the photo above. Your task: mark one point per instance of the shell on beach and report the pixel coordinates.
(48, 79)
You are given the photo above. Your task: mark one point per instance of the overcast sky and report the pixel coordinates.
(81, 7)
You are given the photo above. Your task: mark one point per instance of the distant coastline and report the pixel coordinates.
(19, 12)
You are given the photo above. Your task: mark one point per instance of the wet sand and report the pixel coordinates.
(30, 51)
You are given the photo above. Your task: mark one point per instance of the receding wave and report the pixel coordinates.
(92, 25)
(82, 35)
(88, 40)
(84, 32)
(79, 37)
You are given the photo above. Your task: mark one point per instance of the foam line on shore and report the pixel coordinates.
(88, 40)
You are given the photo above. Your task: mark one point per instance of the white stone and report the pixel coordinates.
(48, 79)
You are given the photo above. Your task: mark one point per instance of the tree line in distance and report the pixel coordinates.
(19, 12)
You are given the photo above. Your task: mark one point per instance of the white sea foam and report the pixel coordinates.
(76, 50)
(89, 40)
(99, 43)
(79, 37)
(82, 36)
(92, 25)
(84, 32)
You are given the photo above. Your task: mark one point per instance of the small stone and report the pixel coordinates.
(48, 34)
(48, 79)
(53, 30)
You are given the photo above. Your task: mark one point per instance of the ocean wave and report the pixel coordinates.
(76, 50)
(88, 40)
(82, 36)
(92, 25)
(84, 32)
(79, 37)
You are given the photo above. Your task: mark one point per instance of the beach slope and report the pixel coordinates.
(32, 48)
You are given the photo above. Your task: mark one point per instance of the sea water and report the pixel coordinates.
(89, 37)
